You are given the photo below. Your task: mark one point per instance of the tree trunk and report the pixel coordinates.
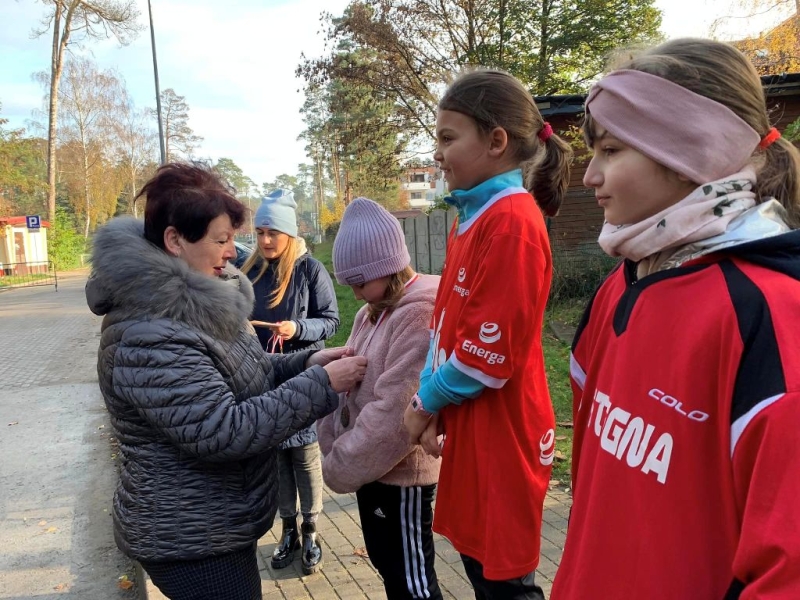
(471, 33)
(543, 48)
(503, 31)
(86, 192)
(321, 194)
(166, 140)
(337, 178)
(56, 67)
(133, 192)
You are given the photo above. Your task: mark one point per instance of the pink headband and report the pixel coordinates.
(693, 135)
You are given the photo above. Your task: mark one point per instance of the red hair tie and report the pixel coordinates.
(545, 132)
(772, 135)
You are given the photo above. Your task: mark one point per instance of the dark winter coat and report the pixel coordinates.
(310, 302)
(197, 406)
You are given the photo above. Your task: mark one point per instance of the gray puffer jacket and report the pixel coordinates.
(197, 405)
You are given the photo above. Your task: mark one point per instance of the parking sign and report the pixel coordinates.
(34, 222)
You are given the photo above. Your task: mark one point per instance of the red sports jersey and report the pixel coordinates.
(499, 449)
(686, 455)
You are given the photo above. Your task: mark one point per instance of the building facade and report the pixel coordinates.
(420, 186)
(22, 250)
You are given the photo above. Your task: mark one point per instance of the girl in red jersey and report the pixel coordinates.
(484, 383)
(686, 366)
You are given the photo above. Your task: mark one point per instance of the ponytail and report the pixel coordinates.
(547, 175)
(497, 99)
(779, 178)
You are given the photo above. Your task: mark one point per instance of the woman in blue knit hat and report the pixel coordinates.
(295, 309)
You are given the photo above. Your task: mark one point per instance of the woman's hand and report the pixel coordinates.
(328, 355)
(345, 373)
(415, 423)
(283, 329)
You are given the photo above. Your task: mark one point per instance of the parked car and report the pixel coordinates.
(242, 252)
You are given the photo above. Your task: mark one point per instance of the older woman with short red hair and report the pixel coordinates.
(197, 406)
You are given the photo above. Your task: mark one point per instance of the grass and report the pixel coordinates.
(556, 356)
(348, 305)
(11, 280)
(556, 360)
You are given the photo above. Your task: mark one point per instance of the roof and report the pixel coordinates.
(406, 214)
(784, 84)
(567, 104)
(16, 221)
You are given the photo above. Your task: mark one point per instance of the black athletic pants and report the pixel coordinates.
(522, 588)
(396, 522)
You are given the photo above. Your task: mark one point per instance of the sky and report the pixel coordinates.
(234, 62)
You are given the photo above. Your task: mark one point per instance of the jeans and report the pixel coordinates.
(300, 471)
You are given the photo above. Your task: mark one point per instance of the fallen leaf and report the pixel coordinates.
(60, 587)
(13, 423)
(42, 523)
(561, 438)
(125, 583)
(362, 552)
(102, 427)
(51, 530)
(560, 456)
(565, 424)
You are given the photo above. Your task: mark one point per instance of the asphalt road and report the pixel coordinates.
(57, 461)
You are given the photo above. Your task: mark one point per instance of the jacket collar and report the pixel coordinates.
(132, 278)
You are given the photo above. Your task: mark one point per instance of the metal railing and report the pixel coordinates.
(28, 274)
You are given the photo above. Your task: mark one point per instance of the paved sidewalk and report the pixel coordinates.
(348, 576)
(58, 470)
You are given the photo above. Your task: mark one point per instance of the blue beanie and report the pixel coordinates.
(277, 211)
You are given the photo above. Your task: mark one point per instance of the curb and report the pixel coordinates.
(146, 589)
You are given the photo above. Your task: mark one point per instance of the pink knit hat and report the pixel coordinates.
(370, 244)
(694, 136)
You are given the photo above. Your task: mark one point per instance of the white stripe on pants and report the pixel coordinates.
(411, 513)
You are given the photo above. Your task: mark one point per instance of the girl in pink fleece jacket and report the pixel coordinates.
(365, 446)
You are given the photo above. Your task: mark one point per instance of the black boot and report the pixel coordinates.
(290, 541)
(312, 551)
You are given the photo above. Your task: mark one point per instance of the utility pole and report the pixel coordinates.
(158, 90)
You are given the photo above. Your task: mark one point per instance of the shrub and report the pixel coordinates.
(65, 244)
(578, 271)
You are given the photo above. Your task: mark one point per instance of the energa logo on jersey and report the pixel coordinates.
(547, 448)
(490, 333)
(439, 355)
(460, 278)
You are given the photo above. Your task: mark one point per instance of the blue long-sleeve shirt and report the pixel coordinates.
(448, 385)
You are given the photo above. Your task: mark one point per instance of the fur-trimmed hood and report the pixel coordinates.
(133, 278)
